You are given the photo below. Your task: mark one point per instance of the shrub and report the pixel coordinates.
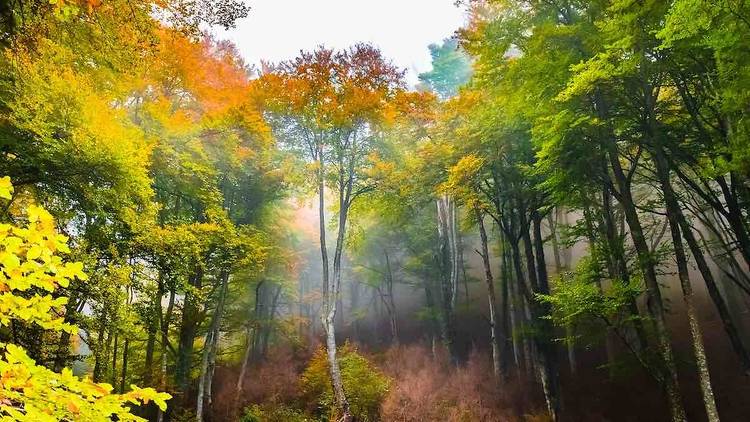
(427, 388)
(365, 385)
(273, 413)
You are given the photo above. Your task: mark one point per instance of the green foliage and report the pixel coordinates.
(579, 300)
(364, 384)
(30, 271)
(451, 68)
(273, 413)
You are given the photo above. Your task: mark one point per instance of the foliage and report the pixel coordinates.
(31, 272)
(364, 384)
(578, 299)
(451, 69)
(271, 413)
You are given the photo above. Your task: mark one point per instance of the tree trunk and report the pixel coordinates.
(124, 372)
(512, 298)
(687, 290)
(164, 322)
(569, 331)
(268, 326)
(209, 345)
(114, 363)
(449, 273)
(485, 254)
(546, 345)
(462, 265)
(148, 365)
(430, 304)
(654, 300)
(188, 329)
(508, 343)
(331, 289)
(99, 350)
(245, 360)
(390, 303)
(153, 327)
(522, 309)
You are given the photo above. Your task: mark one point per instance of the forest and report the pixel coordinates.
(551, 224)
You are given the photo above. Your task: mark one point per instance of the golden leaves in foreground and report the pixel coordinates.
(30, 271)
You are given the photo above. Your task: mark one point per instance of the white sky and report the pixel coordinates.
(277, 30)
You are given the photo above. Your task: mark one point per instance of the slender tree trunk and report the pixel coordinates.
(519, 287)
(430, 304)
(512, 298)
(188, 330)
(164, 322)
(462, 265)
(618, 268)
(148, 364)
(124, 372)
(687, 291)
(391, 303)
(114, 362)
(485, 254)
(153, 327)
(552, 221)
(508, 344)
(245, 360)
(448, 259)
(268, 327)
(452, 237)
(646, 262)
(209, 345)
(99, 350)
(331, 289)
(546, 345)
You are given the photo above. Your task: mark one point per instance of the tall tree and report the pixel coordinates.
(330, 106)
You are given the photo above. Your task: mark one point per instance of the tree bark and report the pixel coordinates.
(164, 322)
(188, 329)
(508, 309)
(654, 301)
(390, 304)
(484, 253)
(124, 371)
(209, 345)
(449, 273)
(546, 345)
(331, 288)
(687, 290)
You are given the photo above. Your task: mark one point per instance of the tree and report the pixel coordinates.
(451, 69)
(31, 271)
(330, 107)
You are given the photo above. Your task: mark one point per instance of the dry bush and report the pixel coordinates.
(422, 388)
(428, 389)
(273, 381)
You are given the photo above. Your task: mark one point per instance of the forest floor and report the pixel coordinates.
(424, 387)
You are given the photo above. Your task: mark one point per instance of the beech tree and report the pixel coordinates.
(330, 107)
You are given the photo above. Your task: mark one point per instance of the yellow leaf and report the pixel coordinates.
(6, 188)
(34, 252)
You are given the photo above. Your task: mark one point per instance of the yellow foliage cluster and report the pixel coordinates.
(30, 271)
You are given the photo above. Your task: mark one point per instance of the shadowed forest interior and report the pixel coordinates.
(549, 223)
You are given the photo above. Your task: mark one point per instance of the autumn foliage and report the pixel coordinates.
(31, 270)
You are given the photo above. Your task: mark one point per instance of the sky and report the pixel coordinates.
(277, 30)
